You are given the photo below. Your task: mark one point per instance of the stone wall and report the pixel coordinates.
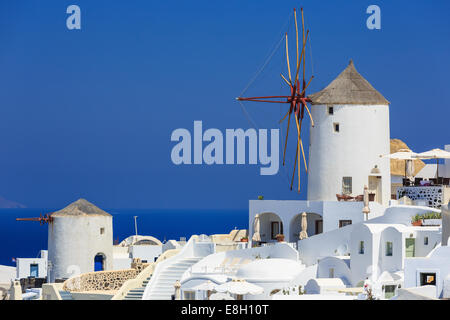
(432, 195)
(104, 280)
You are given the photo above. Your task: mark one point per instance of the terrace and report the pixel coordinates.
(432, 192)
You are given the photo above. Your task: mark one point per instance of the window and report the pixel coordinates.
(346, 185)
(34, 270)
(389, 291)
(330, 111)
(361, 247)
(389, 249)
(102, 230)
(319, 226)
(343, 223)
(425, 241)
(336, 126)
(427, 279)
(189, 295)
(276, 228)
(331, 273)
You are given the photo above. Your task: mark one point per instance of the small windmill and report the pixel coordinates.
(297, 100)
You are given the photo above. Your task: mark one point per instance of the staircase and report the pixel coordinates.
(137, 293)
(65, 295)
(163, 288)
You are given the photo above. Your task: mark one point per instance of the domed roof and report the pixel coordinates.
(139, 240)
(270, 269)
(349, 88)
(81, 207)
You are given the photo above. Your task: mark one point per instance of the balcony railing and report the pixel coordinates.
(431, 196)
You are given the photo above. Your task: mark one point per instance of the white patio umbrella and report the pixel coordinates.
(408, 156)
(239, 287)
(220, 296)
(256, 227)
(434, 154)
(207, 286)
(402, 154)
(304, 223)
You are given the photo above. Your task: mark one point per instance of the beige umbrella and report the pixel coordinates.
(256, 226)
(303, 233)
(177, 287)
(434, 154)
(366, 209)
(410, 169)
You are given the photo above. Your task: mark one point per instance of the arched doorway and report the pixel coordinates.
(99, 262)
(270, 226)
(314, 225)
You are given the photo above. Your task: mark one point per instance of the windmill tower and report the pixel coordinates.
(80, 239)
(351, 132)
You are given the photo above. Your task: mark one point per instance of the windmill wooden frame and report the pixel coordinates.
(297, 99)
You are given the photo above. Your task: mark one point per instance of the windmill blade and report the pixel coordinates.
(303, 152)
(287, 58)
(304, 44)
(309, 113)
(298, 146)
(295, 165)
(306, 87)
(296, 33)
(288, 83)
(287, 134)
(302, 55)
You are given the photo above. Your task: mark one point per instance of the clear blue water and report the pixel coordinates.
(24, 239)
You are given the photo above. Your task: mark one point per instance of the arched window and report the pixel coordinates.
(99, 262)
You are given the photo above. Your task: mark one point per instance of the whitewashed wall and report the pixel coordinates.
(437, 262)
(289, 211)
(353, 151)
(340, 268)
(23, 267)
(146, 252)
(447, 162)
(74, 241)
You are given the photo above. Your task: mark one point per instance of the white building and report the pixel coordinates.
(351, 132)
(376, 248)
(80, 240)
(146, 248)
(32, 267)
(433, 269)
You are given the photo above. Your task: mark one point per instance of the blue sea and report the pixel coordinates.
(24, 239)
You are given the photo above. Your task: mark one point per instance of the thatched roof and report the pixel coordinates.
(81, 207)
(349, 88)
(398, 166)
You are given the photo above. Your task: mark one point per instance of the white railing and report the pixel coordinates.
(187, 251)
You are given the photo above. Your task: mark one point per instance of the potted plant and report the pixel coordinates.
(431, 219)
(244, 239)
(280, 237)
(417, 220)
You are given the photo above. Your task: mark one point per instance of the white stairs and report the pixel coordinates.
(137, 293)
(163, 288)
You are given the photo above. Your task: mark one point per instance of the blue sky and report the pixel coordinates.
(89, 113)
